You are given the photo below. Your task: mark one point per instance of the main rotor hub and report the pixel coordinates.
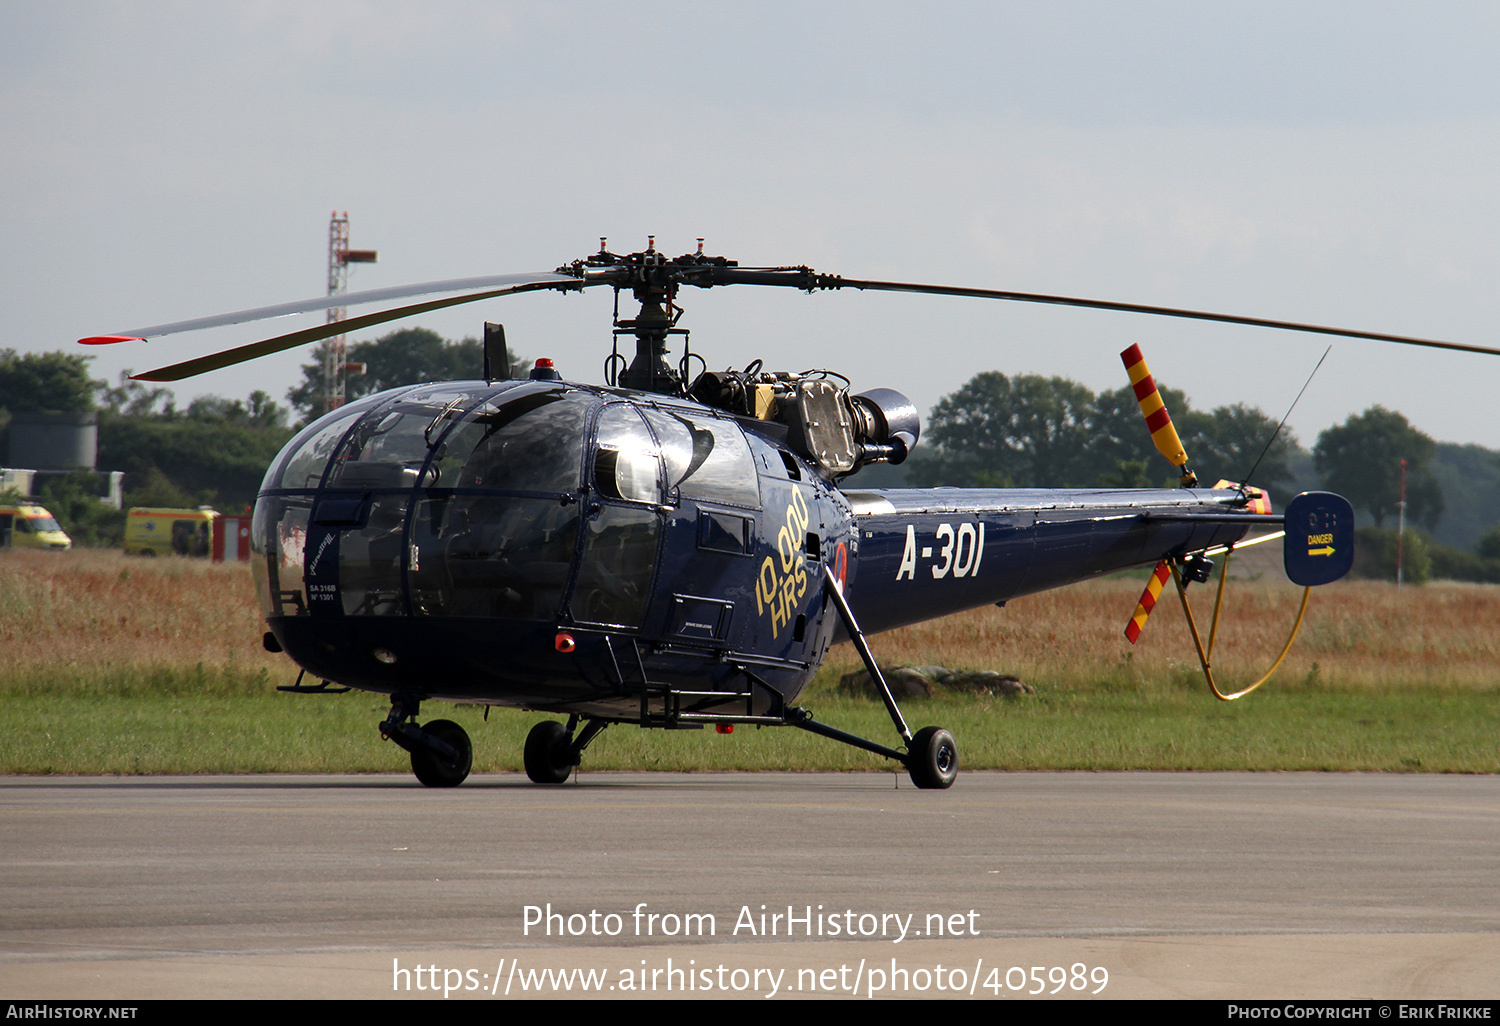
(648, 270)
(653, 279)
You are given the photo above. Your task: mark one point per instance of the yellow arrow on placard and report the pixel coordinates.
(1325, 551)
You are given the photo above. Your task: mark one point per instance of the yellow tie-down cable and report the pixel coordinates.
(1205, 656)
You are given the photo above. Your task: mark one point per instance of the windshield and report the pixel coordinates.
(459, 499)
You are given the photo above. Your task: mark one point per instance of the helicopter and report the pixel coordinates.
(671, 549)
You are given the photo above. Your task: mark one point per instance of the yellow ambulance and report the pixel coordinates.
(25, 526)
(164, 532)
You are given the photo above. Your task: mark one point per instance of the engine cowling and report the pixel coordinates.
(835, 431)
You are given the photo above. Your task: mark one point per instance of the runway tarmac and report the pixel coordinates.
(1193, 885)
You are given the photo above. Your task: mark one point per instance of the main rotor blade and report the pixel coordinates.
(261, 313)
(230, 357)
(825, 281)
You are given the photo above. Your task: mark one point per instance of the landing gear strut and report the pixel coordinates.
(441, 753)
(931, 756)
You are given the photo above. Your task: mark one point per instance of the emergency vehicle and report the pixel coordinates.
(26, 526)
(164, 532)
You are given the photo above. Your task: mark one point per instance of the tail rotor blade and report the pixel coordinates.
(1158, 420)
(1143, 609)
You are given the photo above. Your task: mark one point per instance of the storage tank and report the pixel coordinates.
(54, 441)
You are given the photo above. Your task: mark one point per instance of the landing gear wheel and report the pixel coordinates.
(435, 771)
(546, 753)
(932, 758)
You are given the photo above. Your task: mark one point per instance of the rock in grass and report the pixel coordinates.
(904, 682)
(989, 682)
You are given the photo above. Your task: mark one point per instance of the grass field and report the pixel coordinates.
(116, 665)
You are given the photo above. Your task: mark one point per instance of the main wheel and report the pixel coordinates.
(546, 753)
(435, 771)
(932, 758)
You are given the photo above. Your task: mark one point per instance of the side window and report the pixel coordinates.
(481, 555)
(706, 458)
(626, 462)
(279, 538)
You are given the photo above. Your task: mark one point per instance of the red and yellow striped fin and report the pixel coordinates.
(1163, 434)
(1260, 499)
(1148, 601)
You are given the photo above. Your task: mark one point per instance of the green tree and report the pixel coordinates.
(1028, 431)
(1375, 552)
(200, 454)
(1361, 460)
(1122, 450)
(45, 382)
(1228, 442)
(1489, 544)
(135, 398)
(74, 500)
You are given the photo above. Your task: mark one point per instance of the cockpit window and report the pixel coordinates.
(309, 452)
(530, 443)
(388, 448)
(706, 458)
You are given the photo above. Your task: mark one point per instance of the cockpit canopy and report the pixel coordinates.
(528, 499)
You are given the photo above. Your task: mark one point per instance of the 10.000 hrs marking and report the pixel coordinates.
(780, 588)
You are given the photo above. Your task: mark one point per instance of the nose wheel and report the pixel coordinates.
(437, 770)
(441, 753)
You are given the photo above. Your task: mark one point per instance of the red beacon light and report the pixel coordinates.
(564, 642)
(543, 371)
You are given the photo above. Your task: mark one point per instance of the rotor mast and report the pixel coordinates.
(654, 290)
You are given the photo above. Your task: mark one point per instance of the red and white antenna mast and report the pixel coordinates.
(340, 256)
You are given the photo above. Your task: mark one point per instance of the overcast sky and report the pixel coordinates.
(1333, 163)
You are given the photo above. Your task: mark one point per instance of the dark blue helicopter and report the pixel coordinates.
(658, 551)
